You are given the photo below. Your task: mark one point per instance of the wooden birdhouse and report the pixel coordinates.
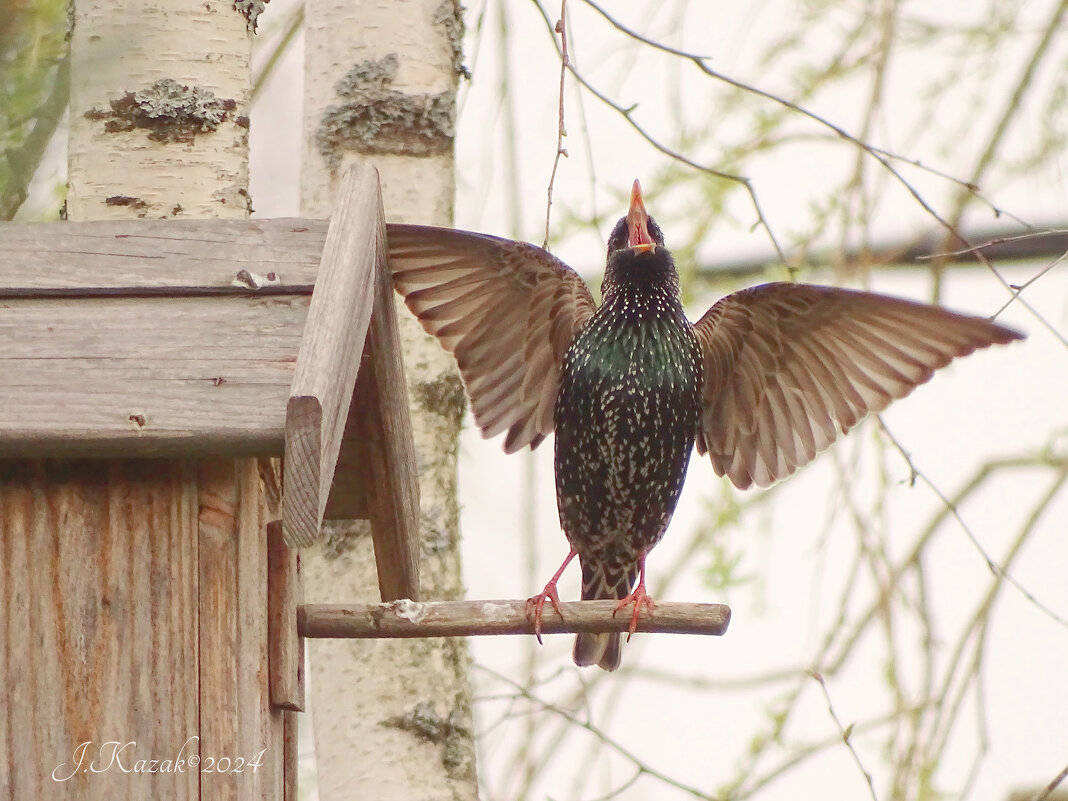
(154, 374)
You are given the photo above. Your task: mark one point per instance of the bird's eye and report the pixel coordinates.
(617, 240)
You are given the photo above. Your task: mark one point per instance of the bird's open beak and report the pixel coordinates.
(638, 222)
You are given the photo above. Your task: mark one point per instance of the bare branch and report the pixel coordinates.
(997, 245)
(643, 767)
(699, 61)
(627, 114)
(954, 510)
(561, 131)
(294, 25)
(846, 732)
(1010, 113)
(1047, 791)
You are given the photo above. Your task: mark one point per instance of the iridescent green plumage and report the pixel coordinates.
(626, 417)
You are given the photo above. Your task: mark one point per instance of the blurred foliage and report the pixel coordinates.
(34, 90)
(722, 523)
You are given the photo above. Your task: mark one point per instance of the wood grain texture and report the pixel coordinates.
(377, 461)
(139, 256)
(98, 626)
(473, 618)
(291, 758)
(147, 376)
(330, 351)
(237, 721)
(285, 592)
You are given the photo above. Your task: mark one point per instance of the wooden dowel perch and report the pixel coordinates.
(470, 618)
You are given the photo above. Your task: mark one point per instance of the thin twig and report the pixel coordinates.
(978, 625)
(1010, 113)
(700, 62)
(627, 114)
(561, 131)
(951, 226)
(994, 567)
(846, 732)
(597, 732)
(1047, 791)
(294, 25)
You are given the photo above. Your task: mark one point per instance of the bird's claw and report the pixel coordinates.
(639, 597)
(536, 604)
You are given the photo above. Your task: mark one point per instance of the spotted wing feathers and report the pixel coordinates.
(507, 311)
(788, 368)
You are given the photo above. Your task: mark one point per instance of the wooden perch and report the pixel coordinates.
(407, 618)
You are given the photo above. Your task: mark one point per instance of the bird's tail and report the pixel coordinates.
(600, 582)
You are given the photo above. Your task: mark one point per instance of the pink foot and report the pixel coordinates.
(640, 598)
(536, 604)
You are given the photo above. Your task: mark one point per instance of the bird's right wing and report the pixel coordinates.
(507, 311)
(788, 368)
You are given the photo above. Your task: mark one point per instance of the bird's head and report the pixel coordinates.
(637, 231)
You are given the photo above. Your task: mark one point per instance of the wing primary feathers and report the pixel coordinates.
(788, 368)
(506, 310)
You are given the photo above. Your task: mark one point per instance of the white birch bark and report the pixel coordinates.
(177, 144)
(392, 718)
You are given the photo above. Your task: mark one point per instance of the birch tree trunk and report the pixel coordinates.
(392, 718)
(159, 109)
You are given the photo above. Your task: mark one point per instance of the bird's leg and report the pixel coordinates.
(537, 603)
(639, 597)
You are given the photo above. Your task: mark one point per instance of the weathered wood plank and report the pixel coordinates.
(350, 494)
(98, 625)
(126, 255)
(147, 376)
(290, 756)
(237, 721)
(330, 351)
(285, 592)
(126, 330)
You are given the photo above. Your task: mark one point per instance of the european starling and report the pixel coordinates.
(769, 377)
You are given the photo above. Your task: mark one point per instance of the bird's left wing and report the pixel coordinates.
(507, 311)
(788, 368)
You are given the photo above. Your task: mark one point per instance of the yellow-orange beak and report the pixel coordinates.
(638, 222)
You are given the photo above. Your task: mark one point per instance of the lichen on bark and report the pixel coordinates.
(451, 731)
(251, 10)
(168, 110)
(450, 17)
(371, 117)
(443, 396)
